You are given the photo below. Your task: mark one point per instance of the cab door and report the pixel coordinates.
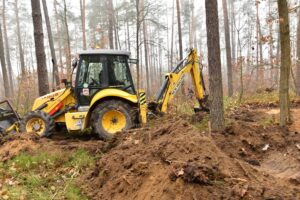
(91, 78)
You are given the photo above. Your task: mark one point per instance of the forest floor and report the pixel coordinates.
(174, 157)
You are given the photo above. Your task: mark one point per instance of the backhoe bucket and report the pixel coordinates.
(8, 117)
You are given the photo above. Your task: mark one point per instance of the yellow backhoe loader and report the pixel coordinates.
(102, 97)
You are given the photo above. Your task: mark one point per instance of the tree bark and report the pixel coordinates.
(259, 53)
(68, 60)
(233, 42)
(270, 21)
(51, 44)
(3, 66)
(285, 62)
(180, 40)
(298, 57)
(172, 37)
(21, 53)
(138, 24)
(59, 37)
(179, 29)
(214, 62)
(110, 23)
(146, 49)
(128, 34)
(82, 10)
(7, 50)
(228, 48)
(39, 47)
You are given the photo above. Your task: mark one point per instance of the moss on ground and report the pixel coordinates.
(45, 175)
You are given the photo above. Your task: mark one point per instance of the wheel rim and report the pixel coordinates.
(36, 125)
(113, 121)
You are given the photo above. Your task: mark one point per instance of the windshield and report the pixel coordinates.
(119, 74)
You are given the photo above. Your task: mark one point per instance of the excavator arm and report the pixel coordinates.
(173, 80)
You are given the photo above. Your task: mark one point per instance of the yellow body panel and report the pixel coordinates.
(75, 121)
(65, 96)
(143, 106)
(111, 92)
(143, 113)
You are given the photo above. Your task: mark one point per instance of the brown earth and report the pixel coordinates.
(14, 144)
(171, 159)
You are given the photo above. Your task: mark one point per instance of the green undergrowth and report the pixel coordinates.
(45, 175)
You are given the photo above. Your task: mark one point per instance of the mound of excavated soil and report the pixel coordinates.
(252, 159)
(14, 144)
(173, 160)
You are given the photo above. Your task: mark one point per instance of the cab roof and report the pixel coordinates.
(104, 52)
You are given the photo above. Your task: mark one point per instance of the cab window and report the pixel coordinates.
(119, 74)
(92, 71)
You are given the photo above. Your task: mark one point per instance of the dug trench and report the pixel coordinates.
(175, 159)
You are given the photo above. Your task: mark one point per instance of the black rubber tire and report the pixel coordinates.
(49, 121)
(123, 107)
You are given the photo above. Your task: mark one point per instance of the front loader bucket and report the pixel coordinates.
(8, 117)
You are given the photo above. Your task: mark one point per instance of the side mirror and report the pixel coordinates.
(74, 63)
(66, 83)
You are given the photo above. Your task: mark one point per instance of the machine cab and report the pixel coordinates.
(102, 69)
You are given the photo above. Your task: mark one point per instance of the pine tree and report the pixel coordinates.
(285, 62)
(43, 82)
(214, 63)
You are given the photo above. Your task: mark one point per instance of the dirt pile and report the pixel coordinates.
(173, 160)
(252, 159)
(255, 138)
(14, 144)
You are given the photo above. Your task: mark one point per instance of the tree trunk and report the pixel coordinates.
(194, 32)
(298, 57)
(138, 24)
(68, 60)
(3, 66)
(116, 30)
(146, 49)
(285, 62)
(228, 49)
(39, 47)
(82, 11)
(214, 63)
(172, 37)
(51, 44)
(110, 23)
(180, 40)
(261, 58)
(59, 37)
(7, 50)
(128, 34)
(233, 42)
(270, 21)
(259, 53)
(179, 29)
(23, 69)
